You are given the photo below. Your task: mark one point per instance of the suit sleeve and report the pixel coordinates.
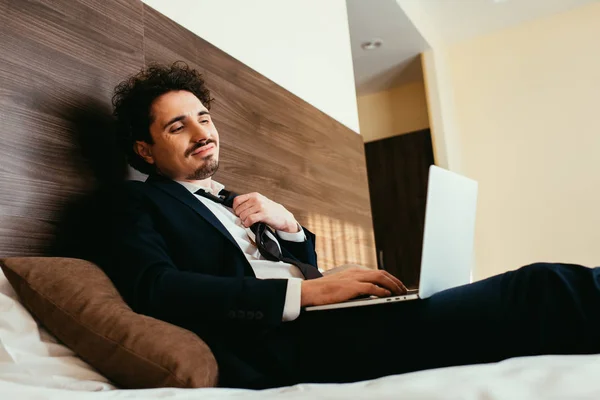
(303, 251)
(152, 284)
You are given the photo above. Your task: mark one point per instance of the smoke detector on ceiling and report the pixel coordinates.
(372, 44)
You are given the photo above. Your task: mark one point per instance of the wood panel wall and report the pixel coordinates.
(59, 63)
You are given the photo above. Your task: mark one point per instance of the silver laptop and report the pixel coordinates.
(447, 257)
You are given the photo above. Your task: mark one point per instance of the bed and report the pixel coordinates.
(33, 365)
(60, 61)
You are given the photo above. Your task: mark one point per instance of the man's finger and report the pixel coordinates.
(249, 211)
(240, 199)
(382, 279)
(399, 288)
(252, 219)
(403, 286)
(396, 280)
(239, 210)
(372, 290)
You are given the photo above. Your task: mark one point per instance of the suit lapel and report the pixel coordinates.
(179, 192)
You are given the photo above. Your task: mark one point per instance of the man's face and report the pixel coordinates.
(186, 142)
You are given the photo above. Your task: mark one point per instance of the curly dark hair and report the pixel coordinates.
(133, 99)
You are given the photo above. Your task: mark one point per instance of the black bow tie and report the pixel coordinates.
(267, 247)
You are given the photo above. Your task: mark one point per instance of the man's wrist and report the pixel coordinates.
(305, 294)
(297, 235)
(292, 227)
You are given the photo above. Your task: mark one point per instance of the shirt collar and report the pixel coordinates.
(215, 187)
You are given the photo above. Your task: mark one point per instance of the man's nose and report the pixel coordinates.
(200, 132)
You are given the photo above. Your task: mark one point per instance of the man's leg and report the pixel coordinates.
(538, 309)
(352, 344)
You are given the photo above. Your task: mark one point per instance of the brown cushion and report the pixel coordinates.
(78, 303)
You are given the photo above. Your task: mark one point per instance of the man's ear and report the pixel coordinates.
(144, 150)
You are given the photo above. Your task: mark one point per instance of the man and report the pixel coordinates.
(183, 254)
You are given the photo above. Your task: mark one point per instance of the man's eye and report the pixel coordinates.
(204, 121)
(176, 129)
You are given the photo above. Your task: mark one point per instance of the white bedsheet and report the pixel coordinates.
(34, 366)
(540, 378)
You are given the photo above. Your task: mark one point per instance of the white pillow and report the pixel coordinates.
(30, 355)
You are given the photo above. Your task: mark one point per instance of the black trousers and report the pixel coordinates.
(537, 309)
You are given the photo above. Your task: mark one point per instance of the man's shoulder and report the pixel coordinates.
(133, 190)
(131, 187)
(153, 190)
(135, 186)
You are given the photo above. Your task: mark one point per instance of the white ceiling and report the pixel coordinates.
(396, 61)
(439, 22)
(452, 21)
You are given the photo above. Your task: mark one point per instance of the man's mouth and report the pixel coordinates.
(203, 149)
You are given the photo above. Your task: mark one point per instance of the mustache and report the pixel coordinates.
(197, 145)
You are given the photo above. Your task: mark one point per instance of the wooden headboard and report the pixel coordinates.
(60, 62)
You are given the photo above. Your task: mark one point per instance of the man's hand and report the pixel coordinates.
(254, 207)
(349, 284)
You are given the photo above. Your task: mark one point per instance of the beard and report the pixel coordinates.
(208, 169)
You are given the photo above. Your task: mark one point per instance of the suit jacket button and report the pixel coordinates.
(231, 314)
(241, 314)
(250, 314)
(258, 315)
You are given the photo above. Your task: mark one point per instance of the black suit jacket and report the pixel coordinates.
(172, 259)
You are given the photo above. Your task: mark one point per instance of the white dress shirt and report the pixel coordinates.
(263, 268)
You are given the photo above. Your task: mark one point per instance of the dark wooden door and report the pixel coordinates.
(398, 170)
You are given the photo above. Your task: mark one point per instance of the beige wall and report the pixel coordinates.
(302, 45)
(393, 112)
(441, 108)
(525, 106)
